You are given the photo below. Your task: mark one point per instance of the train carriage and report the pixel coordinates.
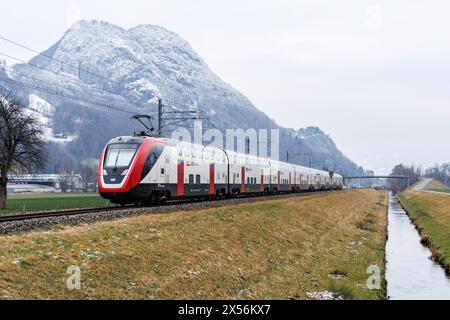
(136, 170)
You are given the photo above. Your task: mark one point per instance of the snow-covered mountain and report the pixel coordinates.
(106, 67)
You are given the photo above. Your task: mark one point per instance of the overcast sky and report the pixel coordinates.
(375, 75)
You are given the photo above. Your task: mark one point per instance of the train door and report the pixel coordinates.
(165, 170)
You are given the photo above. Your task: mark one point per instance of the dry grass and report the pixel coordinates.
(275, 249)
(431, 212)
(436, 185)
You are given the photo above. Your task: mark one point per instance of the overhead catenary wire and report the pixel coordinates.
(60, 94)
(47, 82)
(124, 86)
(59, 74)
(57, 60)
(174, 110)
(68, 77)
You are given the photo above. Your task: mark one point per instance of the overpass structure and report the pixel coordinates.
(406, 178)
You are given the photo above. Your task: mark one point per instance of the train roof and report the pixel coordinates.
(174, 142)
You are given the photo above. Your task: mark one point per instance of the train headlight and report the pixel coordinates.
(124, 173)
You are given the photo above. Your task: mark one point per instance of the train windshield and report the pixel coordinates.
(120, 155)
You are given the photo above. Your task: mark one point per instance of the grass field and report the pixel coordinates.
(436, 185)
(275, 249)
(44, 202)
(432, 213)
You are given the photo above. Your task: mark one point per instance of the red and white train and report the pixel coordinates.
(136, 170)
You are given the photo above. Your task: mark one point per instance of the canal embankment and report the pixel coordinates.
(410, 272)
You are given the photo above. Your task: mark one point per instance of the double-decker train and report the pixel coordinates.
(141, 169)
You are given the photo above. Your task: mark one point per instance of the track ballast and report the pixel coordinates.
(40, 220)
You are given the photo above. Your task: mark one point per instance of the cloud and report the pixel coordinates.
(372, 73)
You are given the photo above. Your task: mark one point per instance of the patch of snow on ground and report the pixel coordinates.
(6, 67)
(325, 295)
(41, 106)
(48, 132)
(142, 86)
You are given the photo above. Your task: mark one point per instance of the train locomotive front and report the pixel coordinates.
(124, 163)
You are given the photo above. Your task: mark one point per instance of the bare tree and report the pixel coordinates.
(440, 173)
(403, 170)
(21, 142)
(89, 174)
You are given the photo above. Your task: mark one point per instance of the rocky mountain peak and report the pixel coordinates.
(111, 67)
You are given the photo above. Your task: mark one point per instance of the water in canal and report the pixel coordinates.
(410, 272)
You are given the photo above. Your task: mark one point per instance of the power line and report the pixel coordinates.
(70, 78)
(67, 64)
(175, 111)
(48, 82)
(60, 61)
(54, 72)
(64, 63)
(60, 94)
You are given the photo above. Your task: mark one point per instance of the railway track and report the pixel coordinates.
(75, 212)
(51, 214)
(79, 212)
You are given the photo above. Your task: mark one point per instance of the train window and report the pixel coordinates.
(248, 180)
(152, 159)
(198, 179)
(191, 179)
(163, 171)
